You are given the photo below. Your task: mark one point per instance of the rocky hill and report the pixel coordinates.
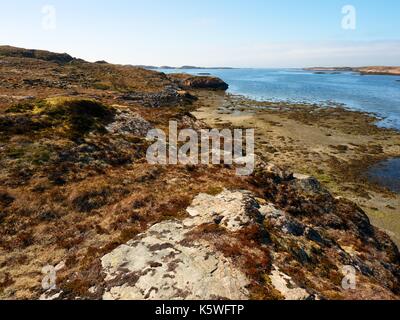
(77, 193)
(62, 58)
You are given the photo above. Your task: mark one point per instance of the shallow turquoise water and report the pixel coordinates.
(376, 94)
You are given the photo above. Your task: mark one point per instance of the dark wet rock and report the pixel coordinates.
(301, 255)
(204, 82)
(294, 228)
(358, 218)
(5, 199)
(187, 96)
(187, 82)
(313, 235)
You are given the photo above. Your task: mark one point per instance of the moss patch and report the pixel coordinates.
(73, 117)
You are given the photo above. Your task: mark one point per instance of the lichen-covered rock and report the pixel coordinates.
(128, 122)
(287, 287)
(232, 210)
(282, 221)
(236, 246)
(160, 265)
(165, 263)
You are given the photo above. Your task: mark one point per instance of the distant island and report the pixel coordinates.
(183, 67)
(372, 70)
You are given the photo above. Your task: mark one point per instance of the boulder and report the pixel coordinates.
(205, 82)
(271, 171)
(169, 96)
(188, 82)
(164, 263)
(282, 221)
(128, 122)
(308, 184)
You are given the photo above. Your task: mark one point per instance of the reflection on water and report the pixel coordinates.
(387, 174)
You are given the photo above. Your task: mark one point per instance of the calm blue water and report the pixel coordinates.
(376, 94)
(387, 173)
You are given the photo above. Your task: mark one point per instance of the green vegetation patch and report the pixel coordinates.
(36, 153)
(73, 116)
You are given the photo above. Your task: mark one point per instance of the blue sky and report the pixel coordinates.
(252, 33)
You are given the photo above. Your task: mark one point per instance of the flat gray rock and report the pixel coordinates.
(160, 265)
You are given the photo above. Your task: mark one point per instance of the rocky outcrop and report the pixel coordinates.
(166, 263)
(205, 82)
(168, 97)
(159, 264)
(236, 246)
(128, 122)
(187, 82)
(308, 184)
(231, 210)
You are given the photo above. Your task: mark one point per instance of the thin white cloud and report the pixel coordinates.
(350, 53)
(294, 54)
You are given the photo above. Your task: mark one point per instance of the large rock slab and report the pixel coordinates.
(232, 210)
(166, 263)
(232, 241)
(160, 265)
